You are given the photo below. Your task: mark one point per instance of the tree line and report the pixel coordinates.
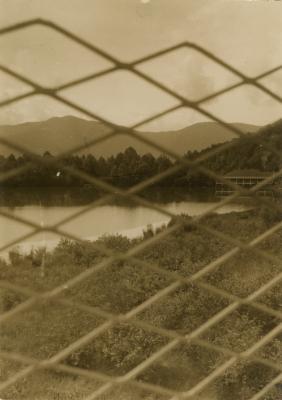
(124, 169)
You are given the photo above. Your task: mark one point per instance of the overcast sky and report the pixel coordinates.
(246, 34)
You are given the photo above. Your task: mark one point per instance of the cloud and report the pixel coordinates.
(246, 34)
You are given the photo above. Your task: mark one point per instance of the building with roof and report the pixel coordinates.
(246, 178)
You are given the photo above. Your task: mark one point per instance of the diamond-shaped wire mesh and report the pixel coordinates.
(167, 343)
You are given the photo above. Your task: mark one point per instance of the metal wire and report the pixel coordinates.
(176, 280)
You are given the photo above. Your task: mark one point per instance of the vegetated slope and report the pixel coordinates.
(60, 134)
(259, 151)
(49, 327)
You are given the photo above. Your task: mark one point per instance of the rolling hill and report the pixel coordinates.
(60, 134)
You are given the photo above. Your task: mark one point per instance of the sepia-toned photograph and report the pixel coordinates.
(140, 200)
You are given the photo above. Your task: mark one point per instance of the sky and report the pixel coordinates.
(246, 34)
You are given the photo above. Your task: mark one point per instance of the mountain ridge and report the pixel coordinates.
(60, 134)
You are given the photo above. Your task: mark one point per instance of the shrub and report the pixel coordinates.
(15, 257)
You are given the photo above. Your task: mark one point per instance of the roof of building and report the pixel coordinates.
(248, 173)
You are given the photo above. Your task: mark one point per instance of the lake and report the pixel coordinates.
(106, 219)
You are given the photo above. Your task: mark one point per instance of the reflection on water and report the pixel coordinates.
(107, 219)
(85, 194)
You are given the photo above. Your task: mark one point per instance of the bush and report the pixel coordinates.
(269, 215)
(15, 257)
(244, 380)
(124, 285)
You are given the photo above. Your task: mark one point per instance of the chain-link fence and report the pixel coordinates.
(172, 338)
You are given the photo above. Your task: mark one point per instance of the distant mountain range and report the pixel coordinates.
(60, 134)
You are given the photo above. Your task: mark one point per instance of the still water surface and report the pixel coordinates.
(107, 219)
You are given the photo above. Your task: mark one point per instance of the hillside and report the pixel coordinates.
(50, 326)
(60, 134)
(250, 154)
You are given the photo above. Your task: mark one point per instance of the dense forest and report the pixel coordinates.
(125, 169)
(129, 168)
